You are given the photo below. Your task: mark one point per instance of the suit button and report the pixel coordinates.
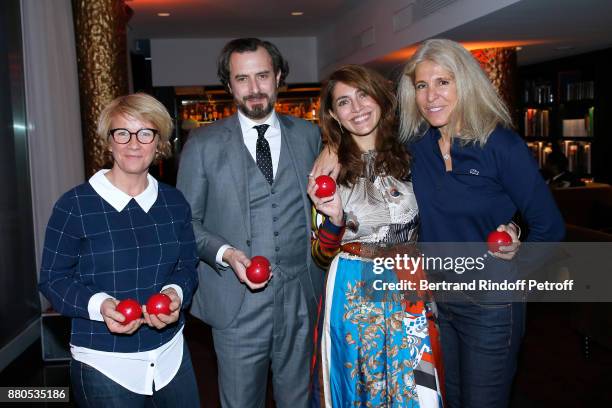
(276, 233)
(274, 205)
(277, 249)
(278, 262)
(275, 219)
(273, 191)
(248, 243)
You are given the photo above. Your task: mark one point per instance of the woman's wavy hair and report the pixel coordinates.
(479, 107)
(392, 158)
(144, 108)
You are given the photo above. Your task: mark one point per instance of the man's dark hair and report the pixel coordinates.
(241, 45)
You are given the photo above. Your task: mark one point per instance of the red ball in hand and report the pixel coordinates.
(259, 270)
(130, 308)
(498, 239)
(159, 303)
(327, 186)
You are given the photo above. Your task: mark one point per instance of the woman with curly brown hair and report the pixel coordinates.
(378, 343)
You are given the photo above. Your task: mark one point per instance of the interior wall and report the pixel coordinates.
(55, 143)
(19, 305)
(193, 61)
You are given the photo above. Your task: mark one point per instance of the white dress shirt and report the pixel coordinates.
(272, 135)
(135, 371)
(250, 135)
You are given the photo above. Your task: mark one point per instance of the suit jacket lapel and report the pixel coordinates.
(235, 148)
(294, 145)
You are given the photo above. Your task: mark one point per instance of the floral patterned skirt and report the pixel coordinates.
(375, 345)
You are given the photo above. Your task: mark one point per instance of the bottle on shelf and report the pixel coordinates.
(537, 122)
(579, 91)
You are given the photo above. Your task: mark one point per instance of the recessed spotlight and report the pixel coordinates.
(518, 48)
(297, 13)
(163, 14)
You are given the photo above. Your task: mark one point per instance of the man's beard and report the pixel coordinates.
(260, 110)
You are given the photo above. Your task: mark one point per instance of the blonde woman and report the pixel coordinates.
(124, 235)
(471, 173)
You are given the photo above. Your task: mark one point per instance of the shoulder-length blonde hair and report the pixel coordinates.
(479, 107)
(144, 108)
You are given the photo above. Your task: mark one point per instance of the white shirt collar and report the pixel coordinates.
(117, 198)
(246, 123)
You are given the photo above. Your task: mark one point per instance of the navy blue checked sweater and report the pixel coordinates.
(90, 247)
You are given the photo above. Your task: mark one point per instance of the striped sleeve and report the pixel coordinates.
(326, 238)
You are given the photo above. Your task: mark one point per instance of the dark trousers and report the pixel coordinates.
(480, 343)
(91, 388)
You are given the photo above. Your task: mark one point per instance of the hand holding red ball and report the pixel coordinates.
(123, 317)
(326, 186)
(259, 270)
(159, 303)
(129, 308)
(162, 309)
(497, 239)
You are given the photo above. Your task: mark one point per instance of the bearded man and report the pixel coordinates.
(245, 178)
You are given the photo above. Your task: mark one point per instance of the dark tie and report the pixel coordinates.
(262, 153)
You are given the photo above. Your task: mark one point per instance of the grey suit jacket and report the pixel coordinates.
(212, 176)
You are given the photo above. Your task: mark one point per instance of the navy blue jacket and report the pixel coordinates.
(486, 187)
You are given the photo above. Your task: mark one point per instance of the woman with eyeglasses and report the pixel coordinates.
(122, 235)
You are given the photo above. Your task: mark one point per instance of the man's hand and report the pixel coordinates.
(239, 262)
(508, 252)
(326, 163)
(161, 320)
(114, 319)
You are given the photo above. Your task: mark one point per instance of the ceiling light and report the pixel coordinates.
(297, 13)
(518, 48)
(163, 14)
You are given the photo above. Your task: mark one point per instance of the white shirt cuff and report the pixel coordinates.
(220, 252)
(93, 306)
(178, 290)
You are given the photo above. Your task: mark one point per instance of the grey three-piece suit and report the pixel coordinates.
(232, 203)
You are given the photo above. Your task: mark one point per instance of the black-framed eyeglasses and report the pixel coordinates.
(123, 136)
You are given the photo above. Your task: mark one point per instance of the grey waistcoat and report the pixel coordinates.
(278, 225)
